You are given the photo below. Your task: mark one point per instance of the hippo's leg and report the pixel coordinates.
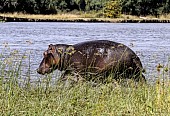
(126, 74)
(65, 74)
(70, 73)
(70, 78)
(140, 78)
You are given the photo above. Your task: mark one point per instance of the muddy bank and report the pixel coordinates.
(16, 19)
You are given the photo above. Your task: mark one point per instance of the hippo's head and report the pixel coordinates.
(50, 61)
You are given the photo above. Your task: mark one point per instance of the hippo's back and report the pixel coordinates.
(96, 44)
(103, 47)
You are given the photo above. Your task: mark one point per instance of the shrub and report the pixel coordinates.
(112, 9)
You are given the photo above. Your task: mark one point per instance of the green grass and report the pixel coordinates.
(83, 99)
(44, 98)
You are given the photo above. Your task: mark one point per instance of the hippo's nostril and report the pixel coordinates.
(38, 71)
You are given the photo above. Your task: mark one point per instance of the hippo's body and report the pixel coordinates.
(94, 58)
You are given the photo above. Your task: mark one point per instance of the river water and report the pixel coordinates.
(150, 41)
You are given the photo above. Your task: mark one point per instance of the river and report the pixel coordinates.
(150, 41)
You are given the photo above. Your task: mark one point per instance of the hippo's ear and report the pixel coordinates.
(45, 54)
(50, 46)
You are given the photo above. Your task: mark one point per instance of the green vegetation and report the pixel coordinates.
(112, 9)
(108, 8)
(23, 97)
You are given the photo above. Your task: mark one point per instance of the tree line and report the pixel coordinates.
(49, 6)
(145, 7)
(110, 8)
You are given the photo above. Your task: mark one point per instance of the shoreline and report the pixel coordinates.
(75, 18)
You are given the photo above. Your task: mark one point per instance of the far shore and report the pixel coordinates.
(17, 17)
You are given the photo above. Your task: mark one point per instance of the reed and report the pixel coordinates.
(55, 16)
(81, 17)
(44, 98)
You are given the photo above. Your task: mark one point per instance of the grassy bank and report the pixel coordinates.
(44, 98)
(83, 99)
(81, 17)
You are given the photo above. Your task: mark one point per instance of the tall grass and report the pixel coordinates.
(81, 15)
(82, 98)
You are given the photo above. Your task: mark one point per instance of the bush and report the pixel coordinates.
(112, 9)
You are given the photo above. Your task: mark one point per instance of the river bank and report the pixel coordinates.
(78, 18)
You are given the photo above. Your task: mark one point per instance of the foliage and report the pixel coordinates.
(49, 6)
(130, 7)
(112, 9)
(145, 7)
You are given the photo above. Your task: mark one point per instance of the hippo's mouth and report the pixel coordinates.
(45, 71)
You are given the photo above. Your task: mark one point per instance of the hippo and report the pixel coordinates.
(91, 59)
